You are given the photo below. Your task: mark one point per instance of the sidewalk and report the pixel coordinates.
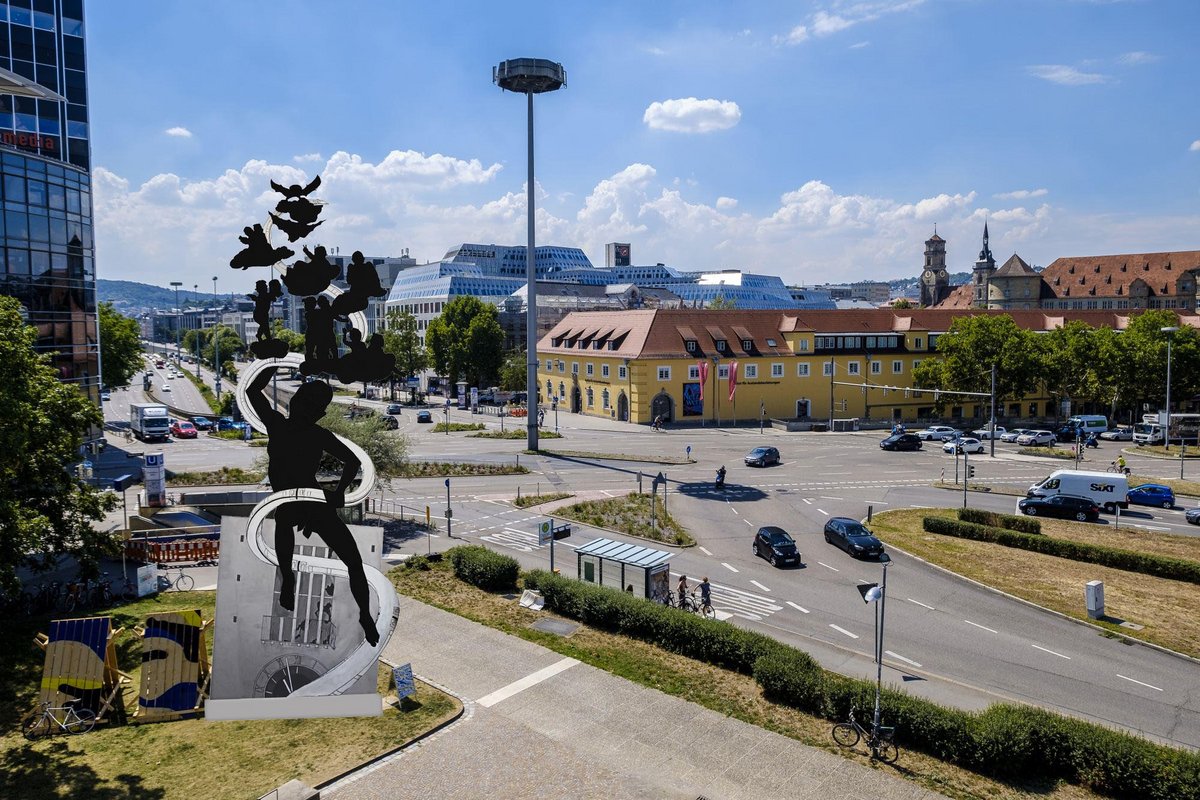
(539, 725)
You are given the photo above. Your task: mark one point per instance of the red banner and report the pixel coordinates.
(703, 365)
(732, 379)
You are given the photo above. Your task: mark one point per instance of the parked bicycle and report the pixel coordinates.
(72, 720)
(879, 741)
(182, 582)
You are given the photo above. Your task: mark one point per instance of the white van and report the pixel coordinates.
(1109, 490)
(1089, 423)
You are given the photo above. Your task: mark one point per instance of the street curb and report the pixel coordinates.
(1069, 618)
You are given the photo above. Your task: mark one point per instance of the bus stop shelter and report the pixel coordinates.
(619, 565)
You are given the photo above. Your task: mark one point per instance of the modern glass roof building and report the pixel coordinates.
(46, 256)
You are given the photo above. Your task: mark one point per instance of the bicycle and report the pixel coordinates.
(1112, 467)
(182, 583)
(74, 721)
(879, 741)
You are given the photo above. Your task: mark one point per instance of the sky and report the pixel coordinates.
(818, 141)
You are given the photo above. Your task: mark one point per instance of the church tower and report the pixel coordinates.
(985, 267)
(935, 281)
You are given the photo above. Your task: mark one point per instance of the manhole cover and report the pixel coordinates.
(559, 627)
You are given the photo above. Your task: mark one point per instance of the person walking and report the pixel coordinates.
(705, 596)
(682, 589)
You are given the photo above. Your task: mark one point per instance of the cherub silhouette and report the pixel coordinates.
(352, 338)
(294, 450)
(312, 276)
(294, 230)
(258, 251)
(263, 296)
(295, 190)
(364, 362)
(301, 210)
(364, 284)
(320, 339)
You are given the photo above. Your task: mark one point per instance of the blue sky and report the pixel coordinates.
(816, 140)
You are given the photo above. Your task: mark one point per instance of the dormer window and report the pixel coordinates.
(556, 341)
(747, 345)
(770, 342)
(690, 344)
(720, 345)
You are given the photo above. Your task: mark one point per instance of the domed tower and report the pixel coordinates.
(985, 267)
(935, 281)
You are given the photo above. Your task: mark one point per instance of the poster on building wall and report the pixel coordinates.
(693, 400)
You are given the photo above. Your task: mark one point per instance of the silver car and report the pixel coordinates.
(1014, 434)
(1037, 439)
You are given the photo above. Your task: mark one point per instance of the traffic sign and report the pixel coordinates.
(545, 531)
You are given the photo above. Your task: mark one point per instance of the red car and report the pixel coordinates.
(182, 429)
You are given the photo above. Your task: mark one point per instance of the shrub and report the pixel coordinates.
(481, 567)
(997, 520)
(792, 677)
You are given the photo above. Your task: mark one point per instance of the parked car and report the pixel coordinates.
(1014, 434)
(390, 423)
(762, 457)
(1037, 439)
(1193, 516)
(424, 416)
(941, 433)
(853, 537)
(1060, 505)
(901, 441)
(202, 423)
(228, 424)
(985, 433)
(394, 408)
(182, 429)
(964, 445)
(1152, 494)
(1118, 435)
(775, 545)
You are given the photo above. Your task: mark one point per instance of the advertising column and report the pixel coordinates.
(154, 477)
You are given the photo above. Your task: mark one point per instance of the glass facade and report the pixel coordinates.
(46, 248)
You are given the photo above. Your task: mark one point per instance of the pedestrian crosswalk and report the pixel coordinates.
(738, 603)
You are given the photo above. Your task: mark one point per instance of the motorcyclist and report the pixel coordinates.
(721, 477)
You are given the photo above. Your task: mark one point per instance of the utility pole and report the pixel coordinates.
(992, 438)
(216, 345)
(831, 371)
(178, 319)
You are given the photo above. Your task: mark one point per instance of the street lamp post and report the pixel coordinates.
(178, 319)
(1170, 332)
(216, 346)
(992, 437)
(878, 595)
(530, 76)
(449, 511)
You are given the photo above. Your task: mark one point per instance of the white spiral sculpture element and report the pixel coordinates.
(343, 675)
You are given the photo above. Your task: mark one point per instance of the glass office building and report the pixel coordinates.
(46, 255)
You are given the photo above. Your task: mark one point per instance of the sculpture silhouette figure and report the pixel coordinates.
(294, 451)
(258, 251)
(312, 276)
(363, 362)
(263, 296)
(301, 210)
(364, 284)
(320, 337)
(296, 190)
(294, 230)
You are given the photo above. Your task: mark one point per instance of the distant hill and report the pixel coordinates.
(131, 297)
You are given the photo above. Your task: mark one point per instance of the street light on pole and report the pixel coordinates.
(530, 76)
(992, 437)
(178, 318)
(1170, 332)
(878, 596)
(217, 345)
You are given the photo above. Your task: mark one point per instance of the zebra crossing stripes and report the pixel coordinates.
(742, 604)
(525, 541)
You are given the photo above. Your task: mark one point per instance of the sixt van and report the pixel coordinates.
(1109, 490)
(1088, 423)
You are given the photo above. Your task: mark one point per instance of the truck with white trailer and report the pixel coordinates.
(150, 421)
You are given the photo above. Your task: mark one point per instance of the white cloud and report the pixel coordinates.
(1136, 58)
(796, 35)
(726, 203)
(845, 14)
(689, 115)
(182, 133)
(1021, 194)
(1195, 147)
(860, 45)
(825, 24)
(1065, 75)
(307, 158)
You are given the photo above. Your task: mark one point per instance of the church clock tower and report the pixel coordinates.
(935, 281)
(985, 267)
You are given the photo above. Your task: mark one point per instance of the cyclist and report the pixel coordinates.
(1121, 464)
(705, 594)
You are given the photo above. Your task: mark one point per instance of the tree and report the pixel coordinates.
(514, 372)
(1068, 362)
(466, 340)
(229, 344)
(722, 302)
(120, 346)
(401, 340)
(903, 302)
(1140, 363)
(295, 341)
(44, 511)
(388, 451)
(967, 352)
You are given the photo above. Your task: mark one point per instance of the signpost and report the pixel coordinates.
(449, 512)
(545, 531)
(402, 677)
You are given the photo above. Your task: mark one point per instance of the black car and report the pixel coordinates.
(424, 416)
(853, 537)
(775, 545)
(901, 441)
(762, 457)
(390, 423)
(1061, 505)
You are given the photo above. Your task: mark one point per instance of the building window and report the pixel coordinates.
(604, 370)
(723, 372)
(664, 373)
(876, 367)
(562, 391)
(802, 369)
(604, 398)
(777, 370)
(621, 372)
(747, 345)
(591, 397)
(720, 345)
(827, 368)
(549, 389)
(549, 364)
(770, 342)
(691, 345)
(870, 342)
(693, 372)
(916, 363)
(852, 368)
(589, 369)
(751, 371)
(918, 343)
(897, 367)
(562, 366)
(574, 367)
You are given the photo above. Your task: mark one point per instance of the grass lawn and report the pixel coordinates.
(455, 427)
(1158, 450)
(514, 432)
(527, 500)
(630, 515)
(721, 690)
(220, 477)
(187, 759)
(1048, 452)
(1058, 583)
(649, 459)
(442, 469)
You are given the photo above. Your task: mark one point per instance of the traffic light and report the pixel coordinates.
(970, 470)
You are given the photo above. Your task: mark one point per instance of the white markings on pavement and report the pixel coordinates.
(734, 510)
(843, 630)
(915, 506)
(880, 503)
(899, 657)
(977, 625)
(729, 567)
(823, 497)
(1051, 652)
(739, 603)
(1139, 683)
(533, 679)
(748, 522)
(759, 585)
(826, 566)
(823, 511)
(801, 609)
(918, 602)
(808, 501)
(706, 551)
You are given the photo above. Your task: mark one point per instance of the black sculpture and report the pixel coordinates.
(263, 296)
(301, 212)
(258, 251)
(310, 277)
(364, 284)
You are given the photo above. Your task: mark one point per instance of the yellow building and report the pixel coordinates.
(718, 366)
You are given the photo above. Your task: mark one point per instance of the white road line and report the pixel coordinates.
(808, 501)
(843, 630)
(977, 625)
(734, 510)
(914, 506)
(823, 511)
(880, 503)
(826, 566)
(706, 551)
(823, 497)
(1051, 652)
(729, 567)
(1139, 683)
(902, 658)
(801, 609)
(533, 679)
(748, 522)
(759, 585)
(922, 605)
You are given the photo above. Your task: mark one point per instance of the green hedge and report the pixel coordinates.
(479, 566)
(1176, 569)
(997, 520)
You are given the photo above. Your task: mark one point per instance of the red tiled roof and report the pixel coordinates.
(961, 296)
(1076, 276)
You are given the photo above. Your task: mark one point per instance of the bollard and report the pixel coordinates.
(870, 509)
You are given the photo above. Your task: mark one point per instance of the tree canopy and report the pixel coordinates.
(44, 511)
(514, 371)
(120, 346)
(402, 341)
(466, 340)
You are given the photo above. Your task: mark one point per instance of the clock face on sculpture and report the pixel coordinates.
(284, 675)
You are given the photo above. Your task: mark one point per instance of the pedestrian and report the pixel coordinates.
(705, 594)
(682, 588)
(541, 416)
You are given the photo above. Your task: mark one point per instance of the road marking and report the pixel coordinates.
(826, 566)
(823, 497)
(902, 658)
(1139, 683)
(922, 605)
(748, 522)
(880, 503)
(913, 506)
(808, 501)
(1051, 652)
(729, 567)
(706, 551)
(843, 630)
(977, 625)
(759, 585)
(734, 510)
(801, 609)
(823, 511)
(533, 679)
